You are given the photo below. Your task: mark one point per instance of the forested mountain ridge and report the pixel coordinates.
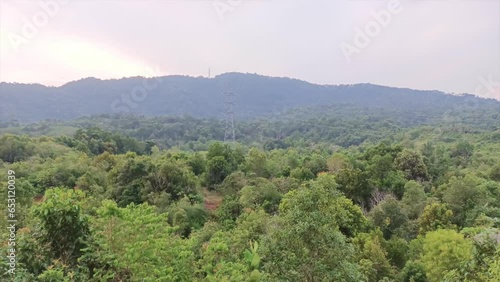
(256, 96)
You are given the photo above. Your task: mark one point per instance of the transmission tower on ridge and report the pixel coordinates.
(229, 115)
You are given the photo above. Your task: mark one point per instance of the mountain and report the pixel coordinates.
(255, 96)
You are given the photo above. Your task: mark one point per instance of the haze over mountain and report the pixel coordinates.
(255, 96)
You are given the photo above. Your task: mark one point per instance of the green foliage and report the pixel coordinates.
(397, 251)
(414, 199)
(285, 184)
(395, 183)
(64, 225)
(136, 243)
(256, 163)
(197, 163)
(218, 170)
(262, 194)
(63, 171)
(437, 160)
(389, 216)
(301, 173)
(493, 271)
(317, 212)
(233, 183)
(95, 141)
(372, 257)
(292, 212)
(379, 168)
(15, 148)
(412, 164)
(129, 178)
(483, 253)
(225, 257)
(463, 194)
(187, 216)
(414, 272)
(336, 162)
(495, 173)
(444, 251)
(172, 177)
(252, 256)
(316, 163)
(463, 152)
(229, 210)
(53, 275)
(34, 255)
(435, 216)
(353, 182)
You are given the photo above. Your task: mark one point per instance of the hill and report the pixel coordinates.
(256, 96)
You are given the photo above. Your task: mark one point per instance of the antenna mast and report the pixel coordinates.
(229, 114)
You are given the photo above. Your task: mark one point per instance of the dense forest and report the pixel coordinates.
(332, 193)
(255, 96)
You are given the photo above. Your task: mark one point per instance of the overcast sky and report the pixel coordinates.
(453, 46)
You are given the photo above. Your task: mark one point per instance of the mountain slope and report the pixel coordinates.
(198, 96)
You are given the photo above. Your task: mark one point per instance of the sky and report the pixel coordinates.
(452, 46)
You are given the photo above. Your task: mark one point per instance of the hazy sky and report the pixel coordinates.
(452, 46)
